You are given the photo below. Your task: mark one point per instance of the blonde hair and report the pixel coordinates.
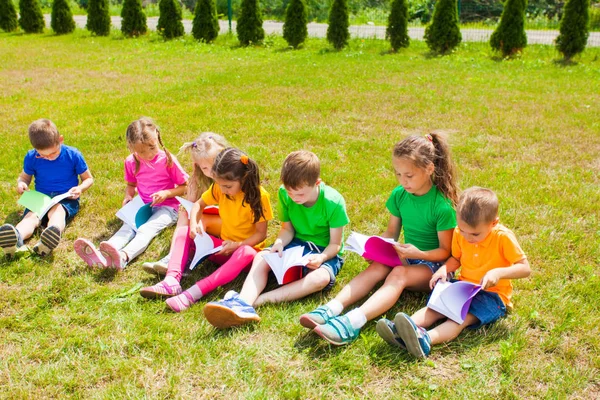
(206, 146)
(431, 149)
(144, 130)
(300, 168)
(477, 205)
(43, 134)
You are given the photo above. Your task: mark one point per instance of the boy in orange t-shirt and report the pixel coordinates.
(487, 254)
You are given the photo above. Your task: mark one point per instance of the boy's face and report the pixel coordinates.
(306, 195)
(51, 153)
(475, 234)
(413, 179)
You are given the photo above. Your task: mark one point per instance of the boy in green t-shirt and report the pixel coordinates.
(312, 215)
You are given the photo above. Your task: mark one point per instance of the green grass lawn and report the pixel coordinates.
(527, 128)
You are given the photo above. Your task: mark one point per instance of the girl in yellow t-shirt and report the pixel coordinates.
(245, 209)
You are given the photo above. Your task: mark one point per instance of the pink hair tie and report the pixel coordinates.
(429, 137)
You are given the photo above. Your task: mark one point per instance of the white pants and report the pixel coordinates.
(134, 243)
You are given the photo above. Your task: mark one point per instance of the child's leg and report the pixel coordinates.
(28, 225)
(57, 216)
(256, 280)
(449, 329)
(212, 224)
(50, 237)
(426, 317)
(315, 281)
(180, 251)
(362, 284)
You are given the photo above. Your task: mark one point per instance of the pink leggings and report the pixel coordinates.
(231, 266)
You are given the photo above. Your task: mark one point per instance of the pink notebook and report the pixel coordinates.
(374, 248)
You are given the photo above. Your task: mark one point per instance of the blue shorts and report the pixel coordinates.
(433, 266)
(332, 266)
(71, 207)
(487, 307)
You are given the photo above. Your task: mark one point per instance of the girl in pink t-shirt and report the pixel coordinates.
(157, 178)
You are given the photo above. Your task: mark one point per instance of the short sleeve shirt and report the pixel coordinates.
(53, 177)
(312, 224)
(422, 216)
(236, 215)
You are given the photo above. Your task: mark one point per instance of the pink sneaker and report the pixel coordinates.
(88, 253)
(161, 289)
(112, 256)
(181, 302)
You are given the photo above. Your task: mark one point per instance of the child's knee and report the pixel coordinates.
(319, 278)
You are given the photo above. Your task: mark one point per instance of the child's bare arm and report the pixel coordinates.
(258, 236)
(408, 250)
(393, 228)
(285, 236)
(86, 181)
(451, 265)
(162, 195)
(23, 182)
(129, 192)
(520, 269)
(196, 222)
(332, 249)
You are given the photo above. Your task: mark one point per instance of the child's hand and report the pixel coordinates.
(196, 228)
(22, 187)
(440, 275)
(229, 247)
(277, 248)
(127, 199)
(407, 250)
(159, 197)
(75, 192)
(490, 279)
(315, 261)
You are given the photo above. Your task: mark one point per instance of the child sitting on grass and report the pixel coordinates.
(56, 168)
(487, 254)
(313, 215)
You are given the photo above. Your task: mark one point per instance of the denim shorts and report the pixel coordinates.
(487, 307)
(71, 207)
(433, 266)
(332, 266)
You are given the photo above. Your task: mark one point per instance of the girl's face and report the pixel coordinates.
(205, 164)
(229, 188)
(413, 179)
(145, 151)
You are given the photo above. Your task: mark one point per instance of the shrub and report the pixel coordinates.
(133, 19)
(509, 37)
(397, 29)
(8, 16)
(249, 25)
(574, 28)
(62, 18)
(98, 20)
(169, 22)
(595, 19)
(32, 19)
(443, 34)
(294, 28)
(337, 31)
(206, 22)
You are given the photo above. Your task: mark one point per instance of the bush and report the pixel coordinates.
(509, 37)
(397, 29)
(169, 22)
(62, 18)
(32, 19)
(249, 25)
(133, 19)
(206, 22)
(443, 34)
(8, 16)
(337, 31)
(98, 20)
(574, 28)
(595, 19)
(294, 28)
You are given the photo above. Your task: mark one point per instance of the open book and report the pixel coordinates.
(135, 213)
(39, 203)
(453, 299)
(288, 267)
(204, 248)
(214, 210)
(374, 248)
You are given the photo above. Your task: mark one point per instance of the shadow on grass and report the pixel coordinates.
(314, 346)
(13, 218)
(563, 62)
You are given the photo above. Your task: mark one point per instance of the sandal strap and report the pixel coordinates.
(343, 327)
(323, 312)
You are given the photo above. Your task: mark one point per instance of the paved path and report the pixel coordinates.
(362, 31)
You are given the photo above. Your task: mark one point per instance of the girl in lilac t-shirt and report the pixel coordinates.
(157, 177)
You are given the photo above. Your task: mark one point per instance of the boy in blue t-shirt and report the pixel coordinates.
(312, 215)
(56, 168)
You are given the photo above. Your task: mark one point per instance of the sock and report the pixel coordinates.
(357, 318)
(171, 281)
(195, 292)
(336, 307)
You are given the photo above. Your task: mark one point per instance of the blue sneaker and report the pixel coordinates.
(231, 311)
(318, 316)
(387, 331)
(415, 338)
(337, 331)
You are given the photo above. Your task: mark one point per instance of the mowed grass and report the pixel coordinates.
(527, 128)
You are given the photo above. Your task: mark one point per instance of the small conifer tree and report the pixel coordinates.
(397, 29)
(169, 22)
(205, 26)
(443, 34)
(133, 19)
(574, 28)
(62, 18)
(8, 16)
(32, 19)
(294, 27)
(337, 31)
(249, 25)
(98, 19)
(509, 37)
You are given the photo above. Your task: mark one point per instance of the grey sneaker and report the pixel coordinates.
(49, 239)
(9, 239)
